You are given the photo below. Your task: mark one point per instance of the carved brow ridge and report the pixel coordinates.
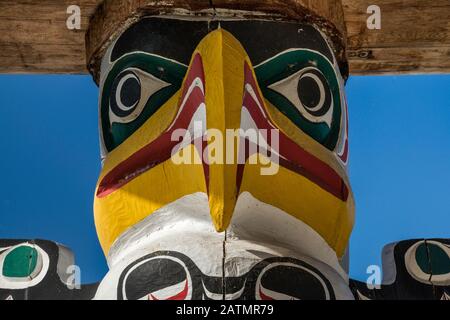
(177, 39)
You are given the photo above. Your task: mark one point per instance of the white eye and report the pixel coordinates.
(130, 92)
(308, 90)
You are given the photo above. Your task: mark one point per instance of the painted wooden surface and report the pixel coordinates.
(415, 36)
(112, 17)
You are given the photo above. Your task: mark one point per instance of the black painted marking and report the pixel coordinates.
(177, 39)
(300, 280)
(310, 95)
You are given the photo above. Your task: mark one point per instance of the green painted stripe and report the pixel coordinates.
(287, 64)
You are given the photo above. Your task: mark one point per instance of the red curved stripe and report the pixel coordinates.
(179, 296)
(263, 296)
(295, 158)
(161, 148)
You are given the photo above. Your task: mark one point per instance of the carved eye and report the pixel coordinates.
(314, 93)
(130, 93)
(22, 266)
(159, 278)
(125, 94)
(21, 262)
(133, 88)
(308, 90)
(429, 262)
(289, 281)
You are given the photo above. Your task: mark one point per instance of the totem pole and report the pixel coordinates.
(224, 144)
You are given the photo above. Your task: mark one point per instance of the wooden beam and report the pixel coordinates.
(34, 37)
(114, 16)
(414, 38)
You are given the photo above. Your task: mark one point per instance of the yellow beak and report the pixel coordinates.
(222, 65)
(223, 60)
(218, 80)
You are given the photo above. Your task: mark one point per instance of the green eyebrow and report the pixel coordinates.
(162, 68)
(286, 64)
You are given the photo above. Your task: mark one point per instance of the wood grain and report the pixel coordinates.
(34, 37)
(414, 37)
(415, 34)
(113, 16)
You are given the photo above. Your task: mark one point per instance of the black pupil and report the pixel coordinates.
(309, 92)
(131, 92)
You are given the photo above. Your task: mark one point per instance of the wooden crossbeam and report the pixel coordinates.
(414, 36)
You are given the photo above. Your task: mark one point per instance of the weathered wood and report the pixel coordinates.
(415, 34)
(433, 59)
(113, 16)
(414, 37)
(34, 37)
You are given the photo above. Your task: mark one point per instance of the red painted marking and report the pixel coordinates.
(161, 148)
(263, 296)
(295, 158)
(179, 296)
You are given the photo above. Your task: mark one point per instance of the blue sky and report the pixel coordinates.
(399, 163)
